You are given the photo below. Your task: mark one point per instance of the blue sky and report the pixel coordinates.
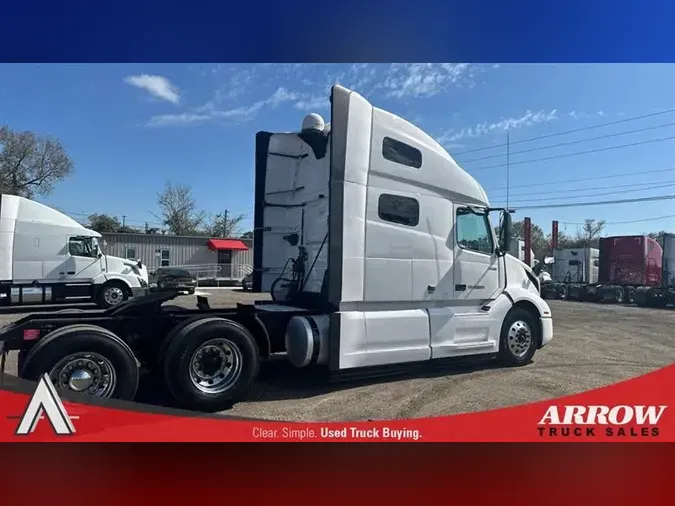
(129, 128)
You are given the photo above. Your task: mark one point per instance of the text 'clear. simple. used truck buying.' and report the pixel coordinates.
(47, 257)
(378, 251)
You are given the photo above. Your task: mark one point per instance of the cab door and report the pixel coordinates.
(476, 262)
(83, 263)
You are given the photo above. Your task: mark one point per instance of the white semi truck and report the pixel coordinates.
(379, 253)
(47, 257)
(517, 249)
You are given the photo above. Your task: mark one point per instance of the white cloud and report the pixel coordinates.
(585, 115)
(177, 119)
(313, 103)
(306, 87)
(424, 79)
(528, 119)
(280, 96)
(157, 86)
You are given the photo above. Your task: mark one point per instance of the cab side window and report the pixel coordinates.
(79, 247)
(399, 209)
(473, 232)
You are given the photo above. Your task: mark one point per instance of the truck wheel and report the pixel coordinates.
(211, 363)
(618, 295)
(519, 338)
(85, 359)
(563, 292)
(111, 294)
(630, 295)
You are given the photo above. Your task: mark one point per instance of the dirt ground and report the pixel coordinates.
(593, 345)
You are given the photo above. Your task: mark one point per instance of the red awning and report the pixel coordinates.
(223, 244)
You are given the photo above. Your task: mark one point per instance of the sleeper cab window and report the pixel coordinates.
(398, 209)
(400, 152)
(473, 232)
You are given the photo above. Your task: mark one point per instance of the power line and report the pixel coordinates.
(594, 178)
(575, 130)
(603, 194)
(649, 141)
(574, 190)
(600, 203)
(625, 222)
(579, 141)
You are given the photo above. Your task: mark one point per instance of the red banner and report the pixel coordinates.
(636, 410)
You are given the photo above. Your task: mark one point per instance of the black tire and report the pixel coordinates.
(71, 339)
(563, 292)
(169, 337)
(244, 286)
(21, 359)
(507, 357)
(630, 295)
(186, 341)
(112, 285)
(619, 295)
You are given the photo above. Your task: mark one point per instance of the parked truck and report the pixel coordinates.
(47, 257)
(624, 269)
(379, 252)
(518, 250)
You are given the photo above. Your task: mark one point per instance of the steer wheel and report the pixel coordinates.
(112, 294)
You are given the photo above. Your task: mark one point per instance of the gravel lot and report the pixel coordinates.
(593, 345)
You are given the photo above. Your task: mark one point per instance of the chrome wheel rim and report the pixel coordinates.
(113, 295)
(216, 366)
(519, 338)
(85, 372)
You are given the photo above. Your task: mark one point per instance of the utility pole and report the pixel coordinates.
(226, 229)
(508, 164)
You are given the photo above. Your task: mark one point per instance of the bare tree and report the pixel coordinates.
(31, 164)
(590, 232)
(179, 209)
(224, 225)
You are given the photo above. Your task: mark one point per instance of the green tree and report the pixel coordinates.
(103, 223)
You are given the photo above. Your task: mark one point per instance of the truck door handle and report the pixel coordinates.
(460, 288)
(71, 272)
(431, 288)
(61, 273)
(492, 268)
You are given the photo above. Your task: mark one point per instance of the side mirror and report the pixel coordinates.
(540, 266)
(505, 224)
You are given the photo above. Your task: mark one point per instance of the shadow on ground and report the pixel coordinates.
(279, 380)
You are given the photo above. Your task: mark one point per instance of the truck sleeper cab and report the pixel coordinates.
(378, 251)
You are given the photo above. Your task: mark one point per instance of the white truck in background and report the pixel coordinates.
(47, 257)
(517, 249)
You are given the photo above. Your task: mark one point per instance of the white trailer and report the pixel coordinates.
(393, 263)
(576, 265)
(46, 256)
